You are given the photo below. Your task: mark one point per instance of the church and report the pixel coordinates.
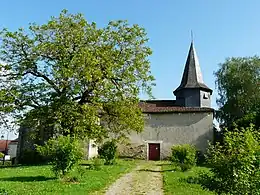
(186, 120)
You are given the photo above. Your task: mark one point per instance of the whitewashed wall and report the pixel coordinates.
(170, 129)
(92, 149)
(12, 149)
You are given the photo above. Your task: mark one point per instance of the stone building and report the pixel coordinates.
(186, 120)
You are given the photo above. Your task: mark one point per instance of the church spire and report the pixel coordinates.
(192, 76)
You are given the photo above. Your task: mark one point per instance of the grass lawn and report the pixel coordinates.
(175, 184)
(40, 179)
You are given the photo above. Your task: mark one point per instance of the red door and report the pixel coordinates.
(154, 151)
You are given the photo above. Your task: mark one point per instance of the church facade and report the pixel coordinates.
(186, 120)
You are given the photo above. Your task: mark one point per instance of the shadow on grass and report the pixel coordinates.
(27, 179)
(126, 158)
(160, 171)
(190, 180)
(85, 164)
(205, 180)
(163, 164)
(22, 165)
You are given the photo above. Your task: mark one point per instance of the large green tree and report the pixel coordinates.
(69, 76)
(238, 84)
(6, 105)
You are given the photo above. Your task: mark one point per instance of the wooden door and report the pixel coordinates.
(154, 151)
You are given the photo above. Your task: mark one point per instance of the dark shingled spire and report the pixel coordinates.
(192, 76)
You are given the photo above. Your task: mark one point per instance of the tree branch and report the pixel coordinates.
(49, 81)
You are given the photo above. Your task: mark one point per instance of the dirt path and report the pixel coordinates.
(145, 179)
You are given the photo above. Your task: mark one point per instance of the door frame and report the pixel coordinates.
(153, 142)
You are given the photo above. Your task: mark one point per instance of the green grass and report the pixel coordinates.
(175, 181)
(40, 179)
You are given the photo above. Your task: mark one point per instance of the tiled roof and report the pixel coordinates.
(14, 141)
(3, 144)
(162, 106)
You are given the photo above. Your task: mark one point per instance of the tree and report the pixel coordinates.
(238, 84)
(234, 164)
(68, 75)
(6, 103)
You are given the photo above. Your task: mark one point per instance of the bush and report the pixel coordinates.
(235, 164)
(108, 151)
(6, 163)
(64, 153)
(96, 164)
(31, 157)
(200, 157)
(1, 155)
(184, 156)
(81, 171)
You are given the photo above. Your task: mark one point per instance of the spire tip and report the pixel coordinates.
(191, 34)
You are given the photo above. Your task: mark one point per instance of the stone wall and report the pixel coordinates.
(132, 150)
(170, 129)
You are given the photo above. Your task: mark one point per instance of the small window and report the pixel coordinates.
(206, 96)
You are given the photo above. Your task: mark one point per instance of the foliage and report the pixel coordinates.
(1, 155)
(64, 153)
(81, 171)
(3, 191)
(245, 121)
(96, 164)
(39, 179)
(238, 84)
(67, 75)
(176, 182)
(7, 102)
(108, 151)
(200, 158)
(6, 164)
(184, 156)
(31, 157)
(235, 164)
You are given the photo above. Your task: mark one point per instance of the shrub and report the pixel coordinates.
(96, 164)
(64, 153)
(1, 155)
(75, 176)
(184, 156)
(235, 164)
(108, 151)
(81, 171)
(7, 163)
(31, 157)
(200, 158)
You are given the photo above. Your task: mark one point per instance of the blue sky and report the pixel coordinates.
(221, 29)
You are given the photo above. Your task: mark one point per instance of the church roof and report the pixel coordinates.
(3, 144)
(163, 106)
(192, 76)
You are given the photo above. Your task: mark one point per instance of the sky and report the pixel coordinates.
(221, 29)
